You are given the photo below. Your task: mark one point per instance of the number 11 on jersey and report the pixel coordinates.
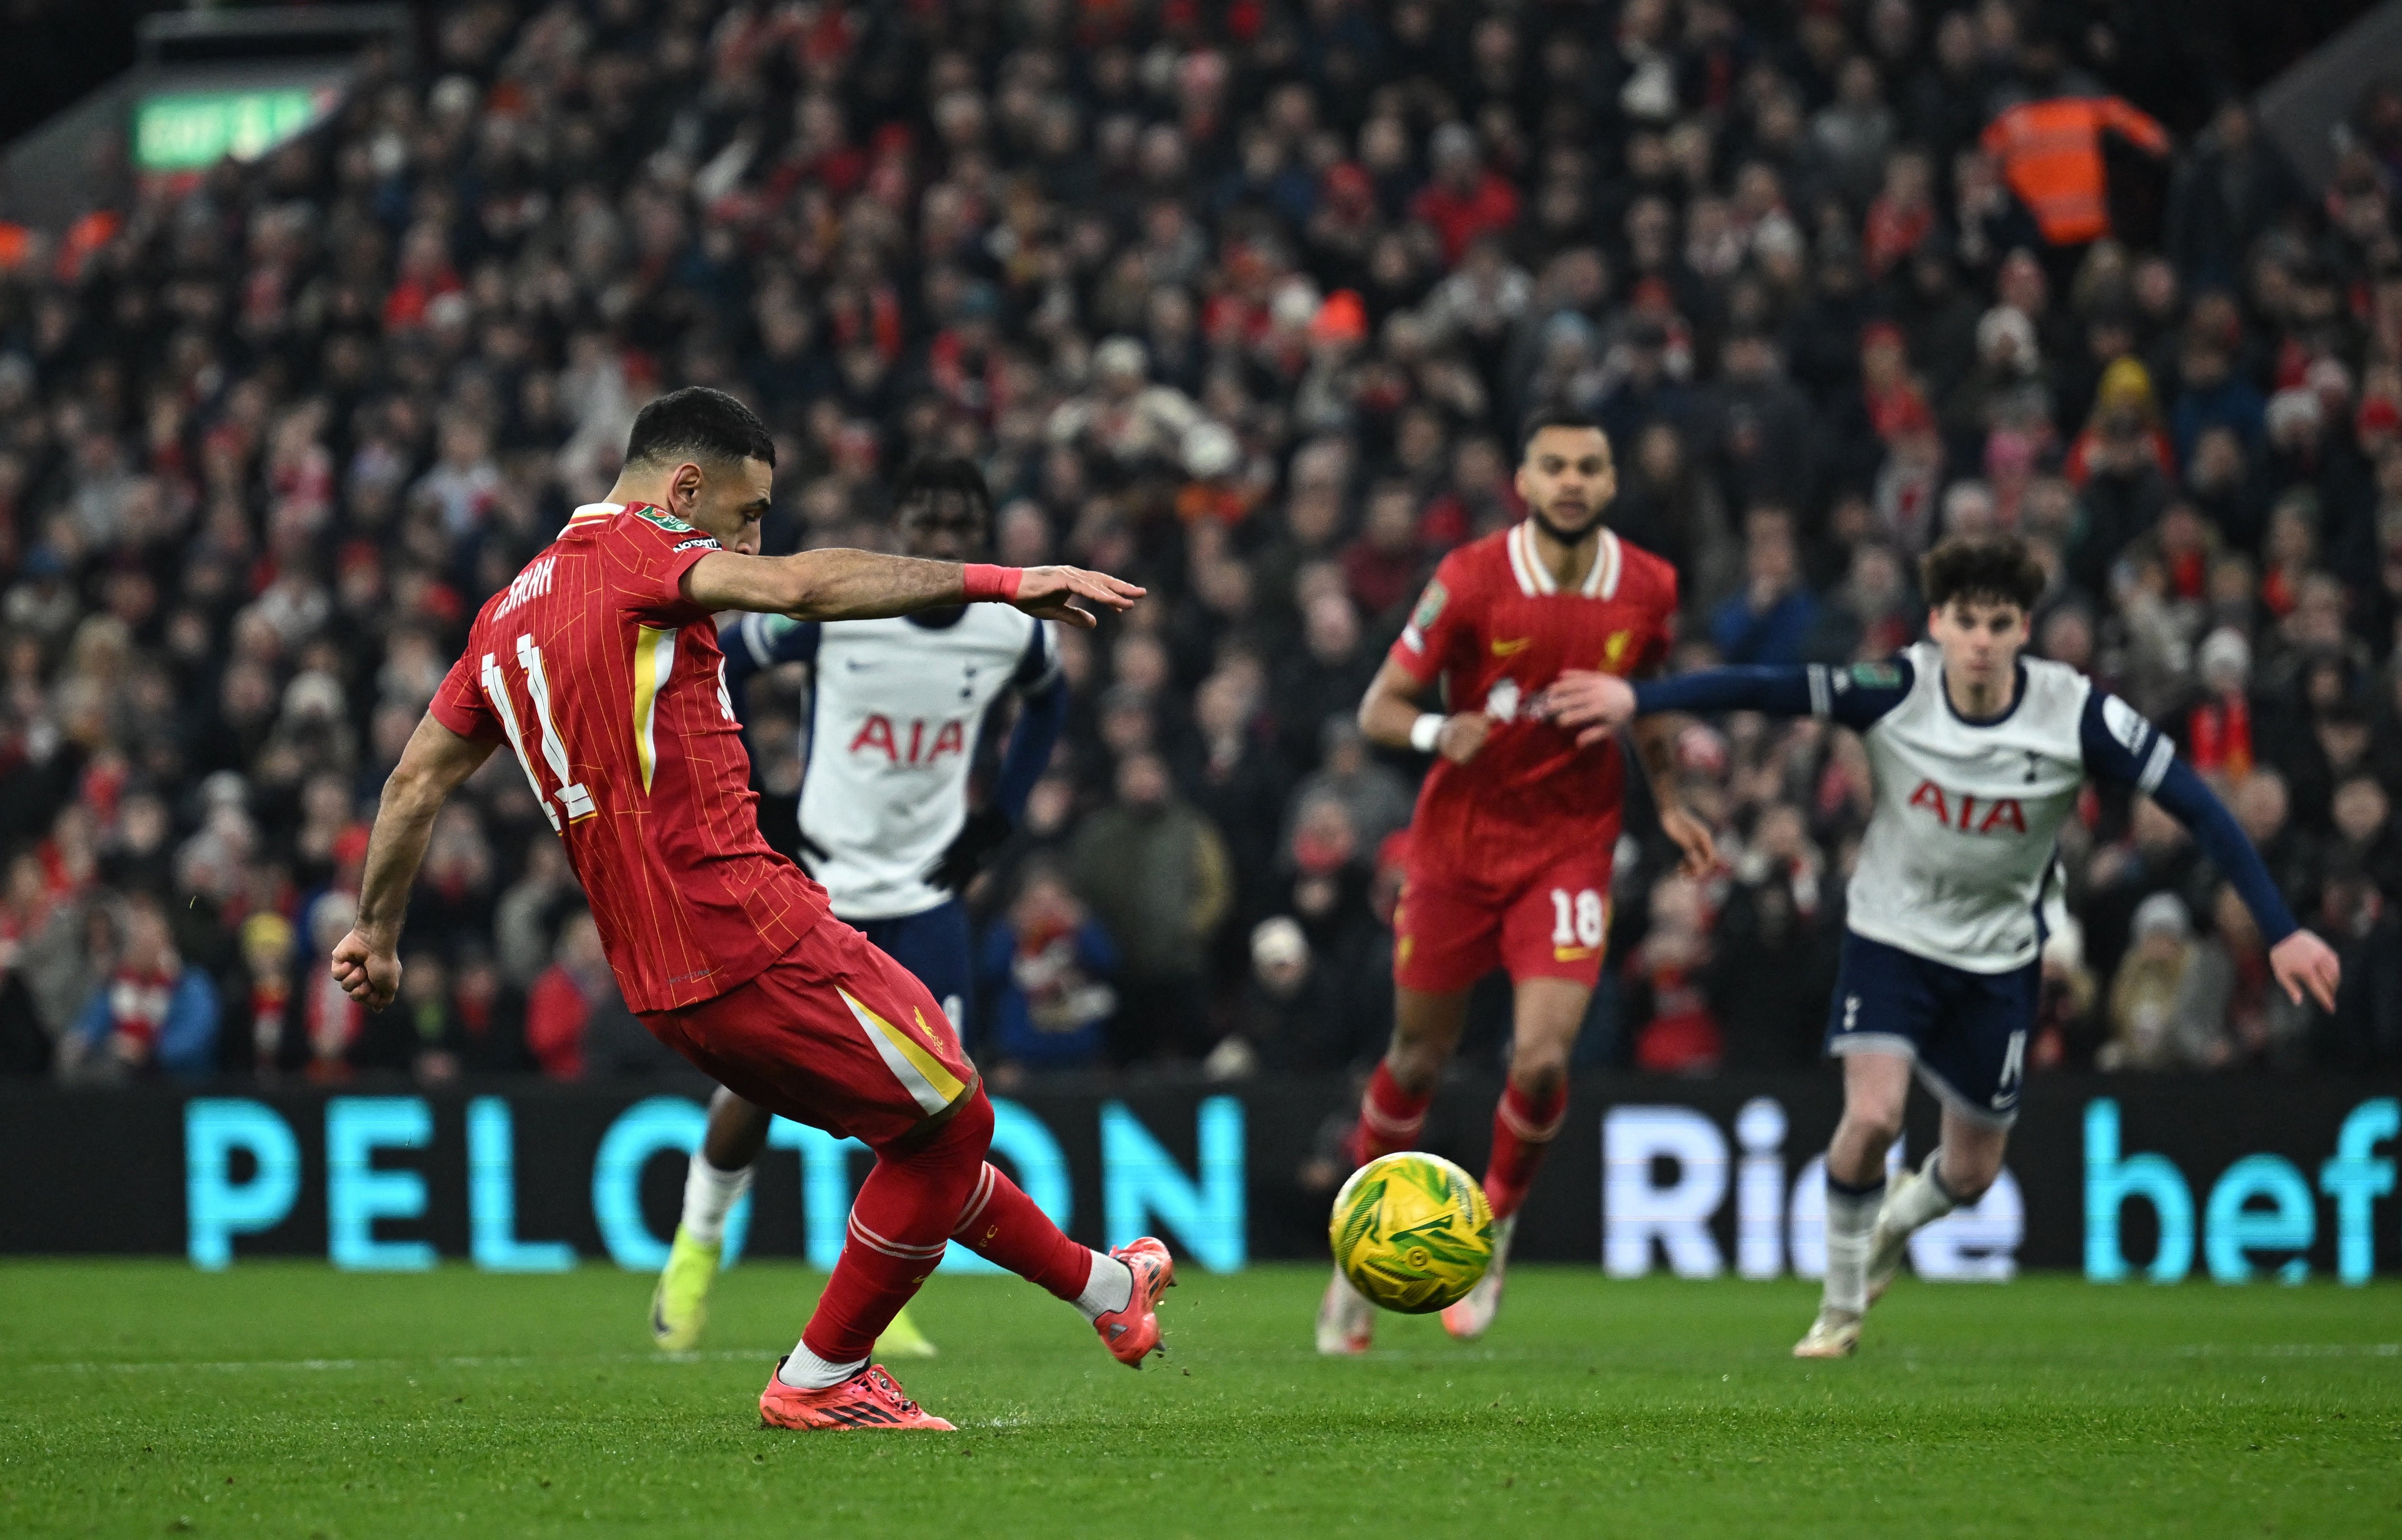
(572, 793)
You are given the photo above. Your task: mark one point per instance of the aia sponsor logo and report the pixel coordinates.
(909, 742)
(1968, 813)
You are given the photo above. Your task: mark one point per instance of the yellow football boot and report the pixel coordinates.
(680, 1305)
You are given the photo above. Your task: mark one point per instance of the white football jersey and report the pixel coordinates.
(890, 735)
(1953, 863)
(1961, 840)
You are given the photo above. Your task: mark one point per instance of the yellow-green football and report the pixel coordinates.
(1412, 1232)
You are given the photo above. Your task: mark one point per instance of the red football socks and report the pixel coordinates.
(1524, 1127)
(1391, 1118)
(1003, 1226)
(899, 1224)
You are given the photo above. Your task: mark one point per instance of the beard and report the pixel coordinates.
(1564, 535)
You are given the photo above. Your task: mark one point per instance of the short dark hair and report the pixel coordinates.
(1998, 570)
(931, 475)
(697, 423)
(1556, 417)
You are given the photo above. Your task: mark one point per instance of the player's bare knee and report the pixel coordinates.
(1966, 1175)
(1872, 1128)
(1416, 1064)
(1539, 1076)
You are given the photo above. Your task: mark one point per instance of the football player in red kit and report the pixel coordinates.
(1510, 848)
(598, 665)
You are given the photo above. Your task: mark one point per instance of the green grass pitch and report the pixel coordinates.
(143, 1398)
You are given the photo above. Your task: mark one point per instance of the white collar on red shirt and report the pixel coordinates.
(595, 510)
(1534, 578)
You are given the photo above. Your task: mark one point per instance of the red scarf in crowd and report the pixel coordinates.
(138, 999)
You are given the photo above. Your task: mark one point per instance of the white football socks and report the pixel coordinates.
(804, 1370)
(1851, 1215)
(1921, 1199)
(1109, 1287)
(708, 1194)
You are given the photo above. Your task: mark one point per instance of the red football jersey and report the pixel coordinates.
(605, 679)
(1494, 627)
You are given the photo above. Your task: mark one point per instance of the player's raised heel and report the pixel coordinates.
(1835, 1334)
(870, 1399)
(1473, 1317)
(680, 1305)
(1346, 1322)
(1133, 1333)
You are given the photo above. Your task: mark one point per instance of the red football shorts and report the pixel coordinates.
(835, 1034)
(1450, 930)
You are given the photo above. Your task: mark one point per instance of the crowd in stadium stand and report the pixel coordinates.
(1243, 302)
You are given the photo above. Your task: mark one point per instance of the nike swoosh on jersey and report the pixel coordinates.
(1509, 647)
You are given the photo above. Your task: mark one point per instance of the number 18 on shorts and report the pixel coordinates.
(1448, 933)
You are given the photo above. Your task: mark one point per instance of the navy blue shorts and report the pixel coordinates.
(1966, 1032)
(933, 946)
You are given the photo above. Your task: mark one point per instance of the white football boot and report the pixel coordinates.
(1835, 1334)
(1346, 1322)
(1888, 1243)
(1472, 1316)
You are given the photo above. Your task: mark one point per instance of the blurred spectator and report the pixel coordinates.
(576, 1023)
(1665, 973)
(268, 957)
(1374, 797)
(151, 1015)
(2227, 193)
(331, 1021)
(2366, 1032)
(2064, 1028)
(2230, 1008)
(1327, 680)
(1769, 621)
(1156, 873)
(421, 1033)
(1773, 958)
(2155, 1022)
(1046, 971)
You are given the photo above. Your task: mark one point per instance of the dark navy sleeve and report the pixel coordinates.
(2120, 746)
(1040, 719)
(1039, 665)
(1856, 695)
(1040, 723)
(757, 641)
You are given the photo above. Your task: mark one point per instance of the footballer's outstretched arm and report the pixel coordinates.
(367, 962)
(846, 584)
(2121, 744)
(1595, 705)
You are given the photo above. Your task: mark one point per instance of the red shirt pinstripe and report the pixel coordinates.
(605, 680)
(1495, 628)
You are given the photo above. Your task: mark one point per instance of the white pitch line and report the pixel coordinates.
(313, 1366)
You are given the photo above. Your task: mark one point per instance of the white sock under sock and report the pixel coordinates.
(804, 1370)
(709, 1193)
(1109, 1287)
(1851, 1215)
